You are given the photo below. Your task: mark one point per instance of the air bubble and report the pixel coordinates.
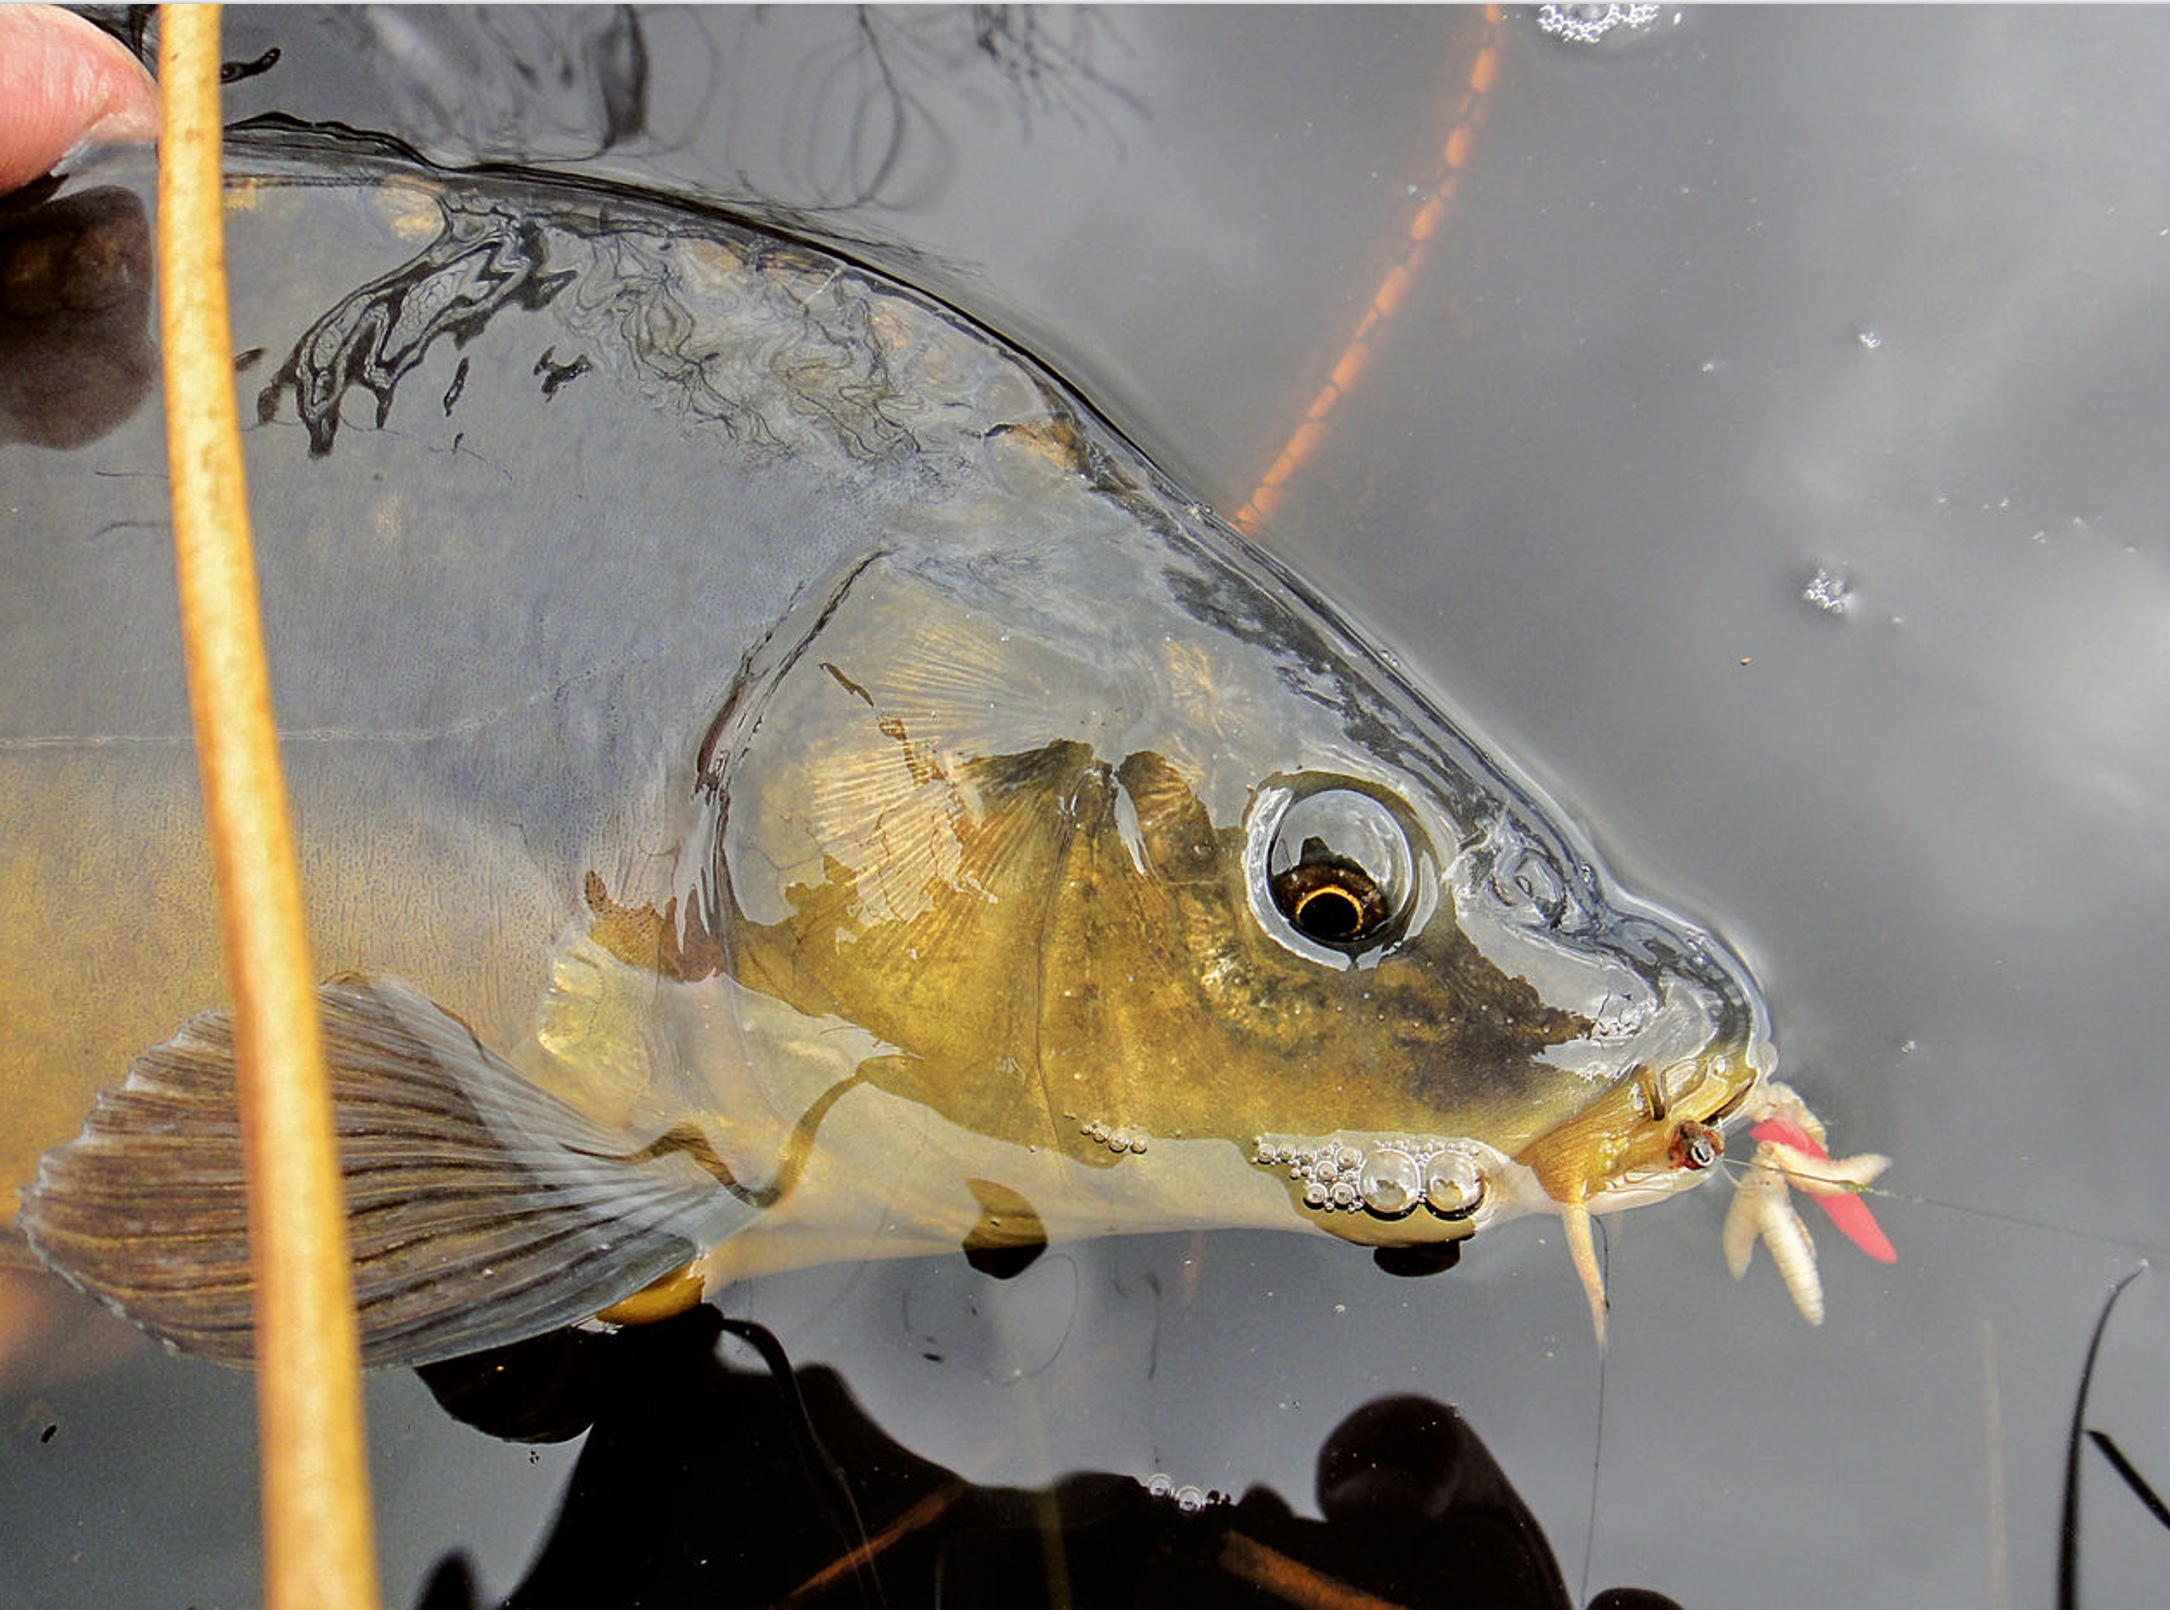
(1453, 1188)
(1391, 1183)
(1160, 1484)
(1828, 590)
(1190, 1500)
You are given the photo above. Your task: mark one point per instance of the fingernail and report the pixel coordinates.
(135, 123)
(115, 128)
(74, 154)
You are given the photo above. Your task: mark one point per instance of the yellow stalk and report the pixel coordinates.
(319, 1553)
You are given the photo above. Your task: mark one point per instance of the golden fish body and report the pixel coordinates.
(1150, 899)
(1056, 864)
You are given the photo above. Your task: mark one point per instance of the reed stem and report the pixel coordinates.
(319, 1552)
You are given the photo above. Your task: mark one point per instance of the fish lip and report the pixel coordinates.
(1640, 1189)
(1616, 1152)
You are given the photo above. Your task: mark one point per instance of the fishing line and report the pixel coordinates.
(1597, 1456)
(1884, 1193)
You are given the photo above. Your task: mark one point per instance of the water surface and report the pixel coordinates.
(1733, 309)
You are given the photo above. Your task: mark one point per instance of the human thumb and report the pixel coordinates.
(64, 82)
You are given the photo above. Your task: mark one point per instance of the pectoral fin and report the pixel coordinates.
(481, 1210)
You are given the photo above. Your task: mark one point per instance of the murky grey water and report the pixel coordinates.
(1723, 305)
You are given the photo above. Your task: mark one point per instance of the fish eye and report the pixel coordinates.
(1338, 865)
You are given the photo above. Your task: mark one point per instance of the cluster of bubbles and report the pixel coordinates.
(1188, 1498)
(1586, 25)
(1116, 1138)
(1388, 1179)
(1828, 590)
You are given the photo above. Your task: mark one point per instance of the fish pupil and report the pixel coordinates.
(1329, 914)
(1331, 901)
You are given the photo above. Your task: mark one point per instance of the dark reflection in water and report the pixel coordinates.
(503, 81)
(75, 296)
(864, 127)
(866, 114)
(707, 1483)
(483, 262)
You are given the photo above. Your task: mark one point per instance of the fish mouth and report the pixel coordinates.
(1679, 1039)
(1654, 1131)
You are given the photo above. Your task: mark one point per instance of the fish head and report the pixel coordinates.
(1127, 845)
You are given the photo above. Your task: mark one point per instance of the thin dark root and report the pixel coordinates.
(2068, 1538)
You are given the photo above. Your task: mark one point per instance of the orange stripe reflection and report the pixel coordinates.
(1466, 117)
